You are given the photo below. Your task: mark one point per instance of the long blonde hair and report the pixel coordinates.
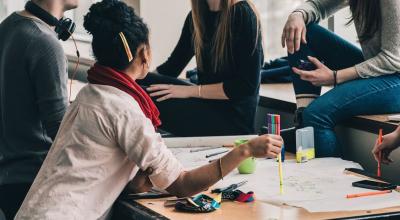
(222, 41)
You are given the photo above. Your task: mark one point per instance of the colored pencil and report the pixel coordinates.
(378, 172)
(228, 145)
(351, 196)
(278, 132)
(215, 154)
(205, 149)
(280, 174)
(275, 128)
(287, 130)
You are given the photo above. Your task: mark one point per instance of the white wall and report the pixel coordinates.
(348, 32)
(13, 5)
(9, 6)
(273, 18)
(165, 20)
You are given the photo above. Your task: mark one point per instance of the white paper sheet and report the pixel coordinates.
(319, 185)
(196, 159)
(204, 141)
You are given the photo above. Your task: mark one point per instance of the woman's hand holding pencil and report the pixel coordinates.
(386, 146)
(265, 145)
(268, 145)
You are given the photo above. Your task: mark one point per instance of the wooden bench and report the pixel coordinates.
(282, 98)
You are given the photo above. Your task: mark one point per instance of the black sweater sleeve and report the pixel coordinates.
(182, 53)
(248, 55)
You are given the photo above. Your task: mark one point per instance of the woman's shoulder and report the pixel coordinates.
(189, 19)
(244, 7)
(108, 100)
(244, 13)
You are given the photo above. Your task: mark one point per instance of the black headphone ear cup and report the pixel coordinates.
(65, 28)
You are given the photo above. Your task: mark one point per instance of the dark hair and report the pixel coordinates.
(105, 20)
(368, 14)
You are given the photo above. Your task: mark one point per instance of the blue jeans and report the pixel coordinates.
(377, 95)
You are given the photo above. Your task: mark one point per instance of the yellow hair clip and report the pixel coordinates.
(126, 45)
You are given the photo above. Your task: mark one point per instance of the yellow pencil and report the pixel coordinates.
(280, 174)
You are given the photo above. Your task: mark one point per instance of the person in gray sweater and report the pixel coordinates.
(33, 97)
(366, 80)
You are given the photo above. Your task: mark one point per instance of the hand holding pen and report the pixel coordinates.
(390, 142)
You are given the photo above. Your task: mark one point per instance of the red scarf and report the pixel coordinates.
(102, 75)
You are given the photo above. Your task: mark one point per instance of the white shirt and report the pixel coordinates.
(102, 142)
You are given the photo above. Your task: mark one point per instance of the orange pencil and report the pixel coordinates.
(378, 172)
(351, 196)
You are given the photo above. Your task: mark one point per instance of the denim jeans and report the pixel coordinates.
(377, 95)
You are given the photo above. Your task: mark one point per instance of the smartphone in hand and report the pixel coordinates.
(306, 65)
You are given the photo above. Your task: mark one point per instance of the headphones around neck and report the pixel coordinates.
(64, 27)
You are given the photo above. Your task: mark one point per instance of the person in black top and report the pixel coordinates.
(225, 37)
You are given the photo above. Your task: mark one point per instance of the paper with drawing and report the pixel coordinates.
(318, 185)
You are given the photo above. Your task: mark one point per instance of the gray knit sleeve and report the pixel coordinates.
(318, 10)
(48, 72)
(387, 61)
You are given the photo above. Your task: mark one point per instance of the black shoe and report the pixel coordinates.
(298, 117)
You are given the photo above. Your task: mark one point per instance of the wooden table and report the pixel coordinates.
(154, 209)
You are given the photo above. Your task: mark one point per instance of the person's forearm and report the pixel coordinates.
(197, 180)
(348, 74)
(212, 91)
(398, 131)
(140, 183)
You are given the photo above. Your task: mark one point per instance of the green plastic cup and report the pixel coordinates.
(247, 166)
